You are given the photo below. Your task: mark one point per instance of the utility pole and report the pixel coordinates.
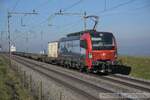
(1, 44)
(1, 35)
(9, 15)
(42, 42)
(27, 41)
(84, 16)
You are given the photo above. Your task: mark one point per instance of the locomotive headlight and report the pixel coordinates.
(90, 55)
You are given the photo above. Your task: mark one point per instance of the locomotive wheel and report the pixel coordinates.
(88, 70)
(64, 65)
(68, 66)
(81, 69)
(95, 71)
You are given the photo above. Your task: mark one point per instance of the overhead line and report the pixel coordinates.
(65, 9)
(49, 18)
(41, 5)
(122, 4)
(131, 10)
(73, 5)
(69, 25)
(117, 6)
(145, 6)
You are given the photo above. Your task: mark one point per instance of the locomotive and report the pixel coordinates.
(89, 50)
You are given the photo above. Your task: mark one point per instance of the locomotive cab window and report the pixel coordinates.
(102, 41)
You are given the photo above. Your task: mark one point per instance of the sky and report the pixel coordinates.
(128, 20)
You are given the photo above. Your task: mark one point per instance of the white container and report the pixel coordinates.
(53, 49)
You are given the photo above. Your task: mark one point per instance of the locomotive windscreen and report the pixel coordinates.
(102, 41)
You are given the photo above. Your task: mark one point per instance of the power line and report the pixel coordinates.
(122, 4)
(67, 26)
(39, 6)
(128, 11)
(43, 21)
(117, 6)
(73, 5)
(145, 6)
(42, 4)
(70, 26)
(53, 14)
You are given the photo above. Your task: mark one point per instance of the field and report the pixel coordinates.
(10, 85)
(140, 66)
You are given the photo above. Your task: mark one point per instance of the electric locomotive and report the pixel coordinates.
(88, 50)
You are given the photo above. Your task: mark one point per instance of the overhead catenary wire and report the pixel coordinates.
(39, 6)
(130, 11)
(142, 7)
(65, 25)
(70, 25)
(73, 5)
(68, 28)
(50, 17)
(44, 21)
(42, 4)
(115, 7)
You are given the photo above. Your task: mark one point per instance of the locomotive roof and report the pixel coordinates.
(81, 32)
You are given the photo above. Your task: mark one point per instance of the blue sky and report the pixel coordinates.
(129, 20)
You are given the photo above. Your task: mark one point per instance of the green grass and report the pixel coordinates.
(10, 84)
(140, 66)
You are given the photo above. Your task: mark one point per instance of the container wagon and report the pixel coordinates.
(52, 56)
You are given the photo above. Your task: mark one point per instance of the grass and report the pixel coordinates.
(140, 66)
(10, 84)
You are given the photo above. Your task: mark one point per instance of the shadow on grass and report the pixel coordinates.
(121, 69)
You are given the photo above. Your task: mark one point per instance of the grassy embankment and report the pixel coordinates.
(140, 66)
(10, 84)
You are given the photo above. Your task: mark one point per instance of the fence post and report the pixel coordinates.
(49, 95)
(60, 95)
(40, 91)
(30, 83)
(17, 68)
(29, 86)
(24, 75)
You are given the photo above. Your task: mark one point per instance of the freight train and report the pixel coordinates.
(90, 51)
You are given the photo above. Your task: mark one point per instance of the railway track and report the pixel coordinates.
(140, 85)
(81, 91)
(144, 82)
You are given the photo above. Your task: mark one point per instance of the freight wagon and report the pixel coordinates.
(52, 55)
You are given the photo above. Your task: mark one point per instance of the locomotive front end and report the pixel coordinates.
(103, 52)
